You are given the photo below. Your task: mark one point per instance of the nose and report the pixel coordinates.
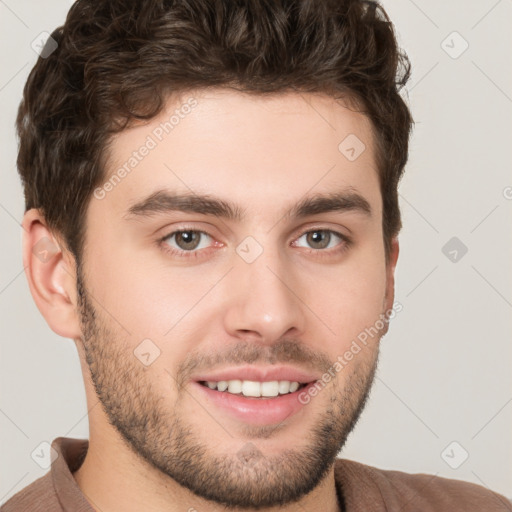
(264, 302)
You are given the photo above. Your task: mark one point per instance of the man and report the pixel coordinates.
(212, 217)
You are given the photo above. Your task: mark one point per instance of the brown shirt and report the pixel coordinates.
(361, 488)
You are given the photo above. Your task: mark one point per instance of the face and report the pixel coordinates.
(242, 249)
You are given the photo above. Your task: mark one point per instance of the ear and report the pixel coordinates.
(51, 275)
(390, 274)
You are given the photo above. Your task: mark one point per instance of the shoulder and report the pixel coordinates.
(451, 494)
(420, 491)
(39, 496)
(56, 490)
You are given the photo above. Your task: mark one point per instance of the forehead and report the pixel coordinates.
(262, 152)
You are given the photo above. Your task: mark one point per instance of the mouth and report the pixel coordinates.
(255, 389)
(255, 395)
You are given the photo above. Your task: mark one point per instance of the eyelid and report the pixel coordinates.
(194, 229)
(341, 236)
(346, 241)
(320, 226)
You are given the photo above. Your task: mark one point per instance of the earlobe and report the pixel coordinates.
(51, 276)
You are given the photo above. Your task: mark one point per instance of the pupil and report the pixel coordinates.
(319, 237)
(188, 239)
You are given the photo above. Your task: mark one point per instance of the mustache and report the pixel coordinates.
(245, 352)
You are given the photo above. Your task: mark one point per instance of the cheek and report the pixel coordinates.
(162, 312)
(352, 298)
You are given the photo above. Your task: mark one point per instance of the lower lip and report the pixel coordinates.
(256, 411)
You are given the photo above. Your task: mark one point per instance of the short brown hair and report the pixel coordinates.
(118, 60)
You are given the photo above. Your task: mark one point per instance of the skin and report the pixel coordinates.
(295, 304)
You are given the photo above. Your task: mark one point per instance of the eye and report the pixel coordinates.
(320, 239)
(193, 243)
(186, 240)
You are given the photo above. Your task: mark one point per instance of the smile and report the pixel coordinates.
(255, 389)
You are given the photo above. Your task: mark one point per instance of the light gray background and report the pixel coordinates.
(445, 372)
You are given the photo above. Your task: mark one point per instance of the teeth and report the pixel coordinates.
(294, 386)
(284, 387)
(253, 388)
(235, 386)
(222, 385)
(270, 388)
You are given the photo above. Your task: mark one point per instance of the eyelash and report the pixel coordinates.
(338, 249)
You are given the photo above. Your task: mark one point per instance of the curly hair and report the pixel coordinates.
(118, 61)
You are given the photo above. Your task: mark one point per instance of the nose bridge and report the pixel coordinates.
(262, 300)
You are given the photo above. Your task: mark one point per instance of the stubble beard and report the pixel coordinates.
(156, 432)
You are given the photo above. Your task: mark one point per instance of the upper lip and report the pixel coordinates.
(258, 374)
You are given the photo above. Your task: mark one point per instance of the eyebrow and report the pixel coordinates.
(163, 201)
